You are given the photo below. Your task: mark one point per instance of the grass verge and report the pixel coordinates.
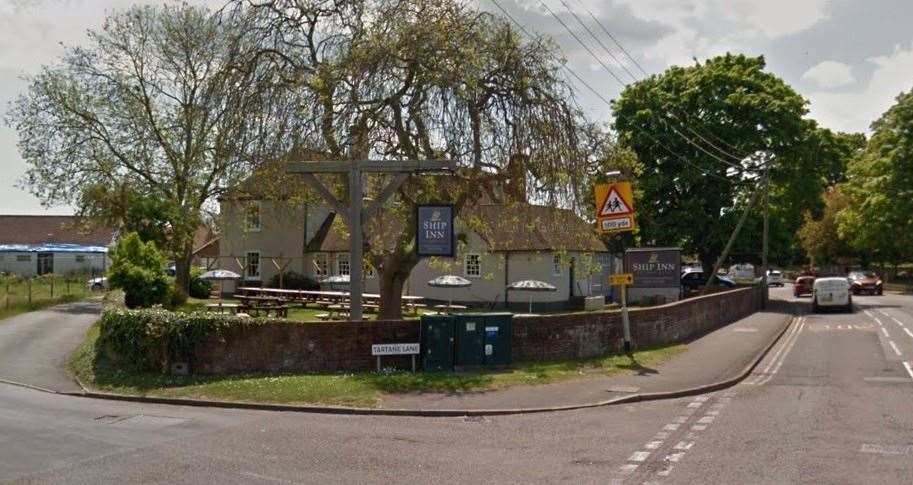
(362, 389)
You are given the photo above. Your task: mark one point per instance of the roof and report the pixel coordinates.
(516, 227)
(33, 230)
(205, 242)
(527, 227)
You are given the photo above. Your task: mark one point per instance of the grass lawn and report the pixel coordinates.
(353, 389)
(45, 291)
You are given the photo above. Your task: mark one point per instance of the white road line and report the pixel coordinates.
(885, 332)
(652, 445)
(792, 331)
(699, 427)
(867, 313)
(883, 312)
(907, 330)
(681, 419)
(782, 358)
(684, 445)
(662, 435)
(906, 365)
(894, 346)
(877, 320)
(639, 456)
(665, 472)
(706, 420)
(628, 468)
(897, 321)
(675, 457)
(701, 398)
(695, 404)
(671, 427)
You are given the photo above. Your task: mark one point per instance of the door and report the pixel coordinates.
(45, 263)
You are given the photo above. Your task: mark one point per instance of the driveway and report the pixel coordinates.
(34, 346)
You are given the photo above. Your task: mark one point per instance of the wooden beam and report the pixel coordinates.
(341, 209)
(385, 194)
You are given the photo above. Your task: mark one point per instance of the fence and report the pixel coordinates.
(22, 293)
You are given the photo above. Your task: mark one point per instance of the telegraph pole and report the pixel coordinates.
(354, 214)
(764, 267)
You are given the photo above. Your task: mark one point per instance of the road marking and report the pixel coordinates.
(867, 313)
(684, 445)
(906, 365)
(652, 445)
(699, 427)
(894, 346)
(639, 456)
(695, 404)
(908, 331)
(886, 449)
(885, 332)
(706, 419)
(782, 357)
(755, 379)
(701, 398)
(662, 435)
(883, 312)
(897, 321)
(665, 471)
(671, 427)
(745, 330)
(675, 457)
(680, 419)
(887, 379)
(628, 468)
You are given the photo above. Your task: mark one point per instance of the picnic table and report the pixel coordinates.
(323, 298)
(231, 307)
(449, 308)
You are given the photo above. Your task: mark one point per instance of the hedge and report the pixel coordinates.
(151, 339)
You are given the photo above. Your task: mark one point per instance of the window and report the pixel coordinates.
(342, 264)
(472, 266)
(23, 257)
(321, 266)
(80, 258)
(252, 217)
(556, 265)
(253, 265)
(368, 271)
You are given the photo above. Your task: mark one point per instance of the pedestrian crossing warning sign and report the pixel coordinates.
(614, 207)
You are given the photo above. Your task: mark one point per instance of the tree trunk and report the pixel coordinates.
(182, 262)
(391, 290)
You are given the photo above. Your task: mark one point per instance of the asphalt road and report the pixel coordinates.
(832, 403)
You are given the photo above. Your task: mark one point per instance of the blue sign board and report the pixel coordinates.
(434, 230)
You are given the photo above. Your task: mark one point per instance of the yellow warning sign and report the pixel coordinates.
(614, 207)
(621, 279)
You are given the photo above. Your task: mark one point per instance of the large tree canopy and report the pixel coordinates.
(407, 79)
(160, 103)
(879, 216)
(702, 133)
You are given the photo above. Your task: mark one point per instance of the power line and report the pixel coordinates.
(623, 85)
(607, 102)
(642, 70)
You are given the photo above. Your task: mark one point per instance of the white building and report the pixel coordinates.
(37, 245)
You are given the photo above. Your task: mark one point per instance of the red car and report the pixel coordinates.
(803, 286)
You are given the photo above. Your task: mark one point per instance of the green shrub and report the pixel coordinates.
(294, 281)
(138, 268)
(150, 339)
(199, 288)
(176, 297)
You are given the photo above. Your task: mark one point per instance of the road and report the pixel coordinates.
(831, 403)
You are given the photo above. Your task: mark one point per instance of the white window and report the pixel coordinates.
(342, 264)
(472, 266)
(253, 265)
(556, 265)
(252, 217)
(368, 271)
(321, 266)
(23, 257)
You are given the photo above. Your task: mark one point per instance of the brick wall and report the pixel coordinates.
(346, 346)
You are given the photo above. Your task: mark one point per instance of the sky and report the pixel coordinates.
(848, 58)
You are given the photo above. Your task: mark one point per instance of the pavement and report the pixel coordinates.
(832, 402)
(35, 346)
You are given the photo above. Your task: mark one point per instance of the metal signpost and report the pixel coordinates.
(615, 214)
(354, 215)
(623, 280)
(379, 350)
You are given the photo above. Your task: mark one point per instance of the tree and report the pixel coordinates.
(138, 268)
(162, 104)
(821, 237)
(412, 79)
(694, 202)
(879, 216)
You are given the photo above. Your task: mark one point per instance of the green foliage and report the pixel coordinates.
(879, 217)
(821, 238)
(138, 268)
(740, 108)
(294, 281)
(149, 339)
(199, 288)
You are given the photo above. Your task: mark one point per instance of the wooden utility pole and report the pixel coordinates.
(354, 215)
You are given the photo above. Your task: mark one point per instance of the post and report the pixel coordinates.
(625, 323)
(29, 280)
(765, 243)
(52, 286)
(355, 243)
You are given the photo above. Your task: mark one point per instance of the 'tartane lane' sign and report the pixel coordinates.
(394, 349)
(434, 230)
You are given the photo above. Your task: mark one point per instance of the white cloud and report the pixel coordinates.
(776, 18)
(829, 74)
(855, 111)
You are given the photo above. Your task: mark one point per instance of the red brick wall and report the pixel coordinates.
(346, 346)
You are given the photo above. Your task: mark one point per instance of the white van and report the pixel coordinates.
(742, 274)
(832, 292)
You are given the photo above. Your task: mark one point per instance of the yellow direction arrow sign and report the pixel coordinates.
(621, 279)
(614, 207)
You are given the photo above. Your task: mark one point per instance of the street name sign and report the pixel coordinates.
(614, 207)
(394, 349)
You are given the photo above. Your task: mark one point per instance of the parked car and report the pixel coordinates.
(97, 284)
(865, 282)
(774, 278)
(694, 280)
(803, 286)
(832, 292)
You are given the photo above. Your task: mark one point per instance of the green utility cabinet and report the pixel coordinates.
(437, 342)
(466, 340)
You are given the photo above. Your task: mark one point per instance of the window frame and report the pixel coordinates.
(478, 258)
(321, 272)
(347, 260)
(247, 265)
(557, 265)
(247, 216)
